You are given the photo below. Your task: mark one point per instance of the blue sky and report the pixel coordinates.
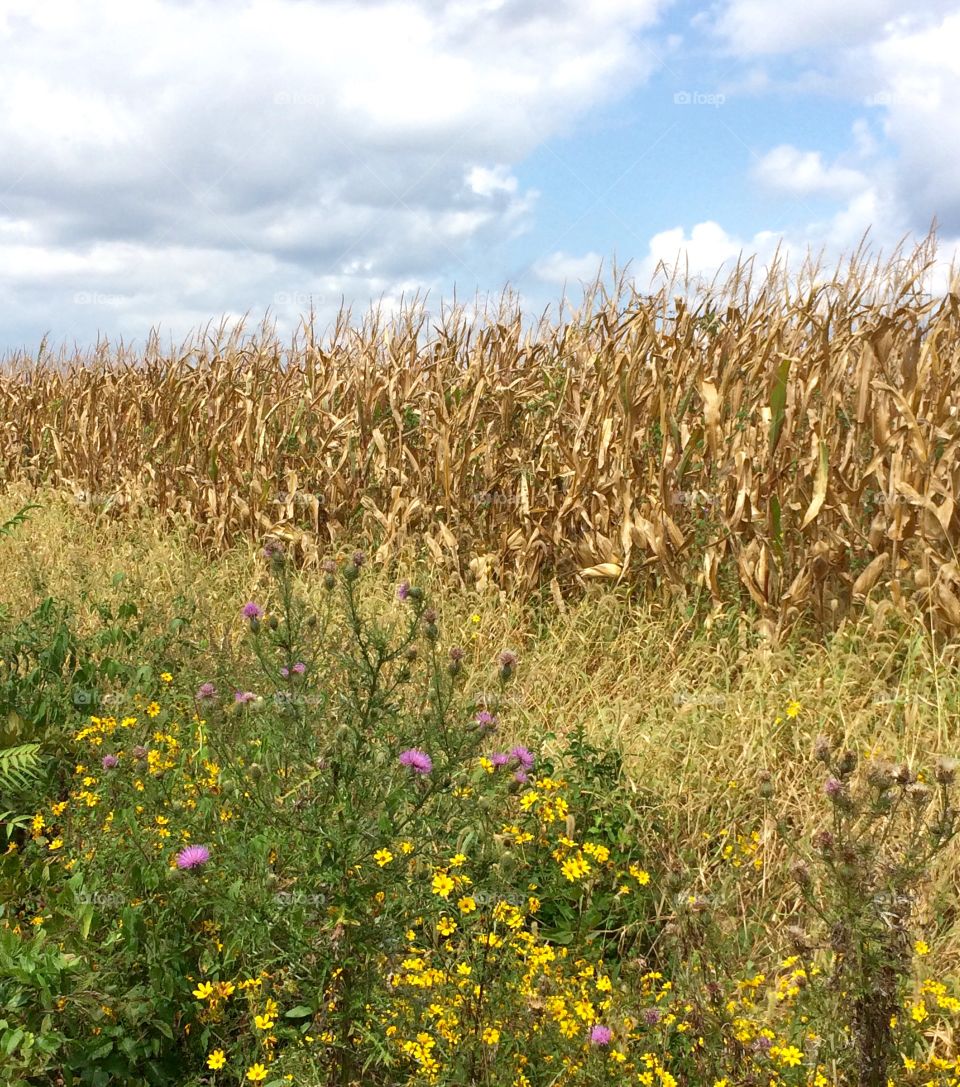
(174, 162)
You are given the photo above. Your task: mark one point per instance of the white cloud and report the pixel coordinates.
(291, 143)
(752, 27)
(803, 173)
(564, 268)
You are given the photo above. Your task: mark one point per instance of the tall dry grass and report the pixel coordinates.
(787, 442)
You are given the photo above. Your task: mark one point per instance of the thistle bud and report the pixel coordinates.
(918, 793)
(255, 626)
(847, 763)
(256, 771)
(311, 621)
(351, 571)
(821, 749)
(798, 938)
(945, 770)
(823, 840)
(273, 622)
(766, 784)
(801, 874)
(329, 581)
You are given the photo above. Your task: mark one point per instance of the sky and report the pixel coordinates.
(168, 163)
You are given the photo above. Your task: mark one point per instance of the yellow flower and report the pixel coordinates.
(446, 926)
(490, 1036)
(203, 991)
(166, 677)
(263, 1022)
(383, 856)
(153, 709)
(216, 1060)
(475, 619)
(57, 843)
(790, 1055)
(921, 947)
(793, 708)
(466, 904)
(406, 847)
(256, 1073)
(442, 885)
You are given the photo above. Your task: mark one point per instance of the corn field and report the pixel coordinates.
(792, 442)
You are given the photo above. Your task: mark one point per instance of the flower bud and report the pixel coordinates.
(329, 581)
(823, 840)
(918, 793)
(903, 775)
(255, 626)
(766, 784)
(351, 572)
(273, 622)
(801, 874)
(821, 749)
(847, 763)
(945, 770)
(798, 938)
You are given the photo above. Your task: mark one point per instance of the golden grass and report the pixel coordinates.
(789, 447)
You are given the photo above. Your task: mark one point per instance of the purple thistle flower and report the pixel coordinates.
(299, 668)
(252, 610)
(832, 787)
(456, 653)
(205, 691)
(652, 1016)
(359, 558)
(403, 590)
(600, 1035)
(271, 548)
(487, 720)
(244, 696)
(139, 752)
(285, 672)
(418, 761)
(109, 762)
(193, 856)
(508, 659)
(329, 566)
(521, 776)
(523, 756)
(499, 758)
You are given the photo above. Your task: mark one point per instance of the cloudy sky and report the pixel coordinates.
(166, 162)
